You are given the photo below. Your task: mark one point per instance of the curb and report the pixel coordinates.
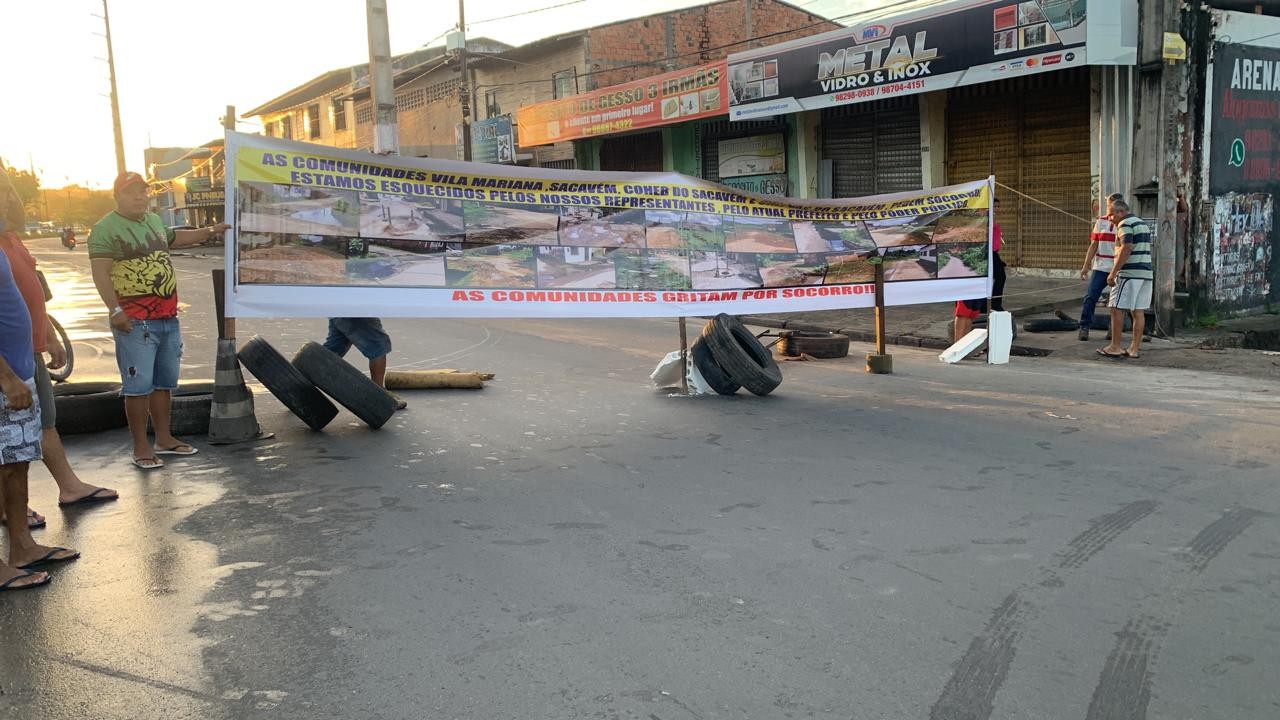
(870, 337)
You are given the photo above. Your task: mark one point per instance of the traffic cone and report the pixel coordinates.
(231, 418)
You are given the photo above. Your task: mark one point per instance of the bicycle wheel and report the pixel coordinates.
(64, 372)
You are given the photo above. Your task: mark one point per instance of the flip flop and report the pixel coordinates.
(155, 463)
(49, 558)
(8, 585)
(190, 450)
(400, 403)
(1113, 356)
(1129, 355)
(91, 499)
(31, 515)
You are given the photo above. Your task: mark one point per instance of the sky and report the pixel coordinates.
(179, 63)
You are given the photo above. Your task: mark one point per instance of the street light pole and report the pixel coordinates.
(115, 99)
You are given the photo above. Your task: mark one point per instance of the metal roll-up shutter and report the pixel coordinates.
(641, 152)
(711, 133)
(1037, 131)
(874, 147)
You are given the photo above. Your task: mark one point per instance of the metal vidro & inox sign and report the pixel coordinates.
(937, 47)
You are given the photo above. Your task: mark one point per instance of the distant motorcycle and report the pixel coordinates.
(69, 238)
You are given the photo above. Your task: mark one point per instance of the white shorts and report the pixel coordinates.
(1131, 294)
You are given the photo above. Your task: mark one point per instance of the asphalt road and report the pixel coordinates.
(1042, 540)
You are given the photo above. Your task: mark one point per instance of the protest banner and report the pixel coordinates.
(324, 232)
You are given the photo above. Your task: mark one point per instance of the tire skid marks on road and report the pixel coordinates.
(970, 693)
(1123, 691)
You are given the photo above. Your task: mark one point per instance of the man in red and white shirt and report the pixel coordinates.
(1097, 264)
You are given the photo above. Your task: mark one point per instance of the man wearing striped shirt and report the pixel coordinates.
(1131, 280)
(1097, 264)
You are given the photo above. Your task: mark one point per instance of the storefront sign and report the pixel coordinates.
(692, 93)
(492, 141)
(1244, 136)
(201, 183)
(957, 43)
(440, 238)
(207, 198)
(759, 184)
(758, 155)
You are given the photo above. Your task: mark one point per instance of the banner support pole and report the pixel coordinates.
(878, 363)
(684, 357)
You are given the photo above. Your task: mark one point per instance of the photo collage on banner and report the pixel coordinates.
(303, 235)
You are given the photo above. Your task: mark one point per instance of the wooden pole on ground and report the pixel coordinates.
(879, 363)
(684, 358)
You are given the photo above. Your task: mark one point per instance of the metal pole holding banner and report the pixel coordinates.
(879, 363)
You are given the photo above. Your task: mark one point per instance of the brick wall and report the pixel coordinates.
(529, 82)
(689, 36)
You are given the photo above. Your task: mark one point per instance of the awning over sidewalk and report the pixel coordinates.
(931, 46)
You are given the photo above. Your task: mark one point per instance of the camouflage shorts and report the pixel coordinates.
(20, 431)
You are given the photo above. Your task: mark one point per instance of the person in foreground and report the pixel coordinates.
(1131, 281)
(1098, 262)
(129, 252)
(19, 440)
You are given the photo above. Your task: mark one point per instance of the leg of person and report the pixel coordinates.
(1097, 281)
(168, 335)
(11, 578)
(337, 341)
(1141, 297)
(373, 342)
(1112, 349)
(136, 358)
(378, 371)
(997, 283)
(71, 489)
(19, 447)
(966, 312)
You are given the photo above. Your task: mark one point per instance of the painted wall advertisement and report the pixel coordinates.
(1244, 135)
(493, 141)
(933, 48)
(1242, 249)
(689, 94)
(321, 230)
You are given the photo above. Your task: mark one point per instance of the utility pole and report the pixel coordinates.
(1171, 131)
(115, 98)
(464, 93)
(381, 85)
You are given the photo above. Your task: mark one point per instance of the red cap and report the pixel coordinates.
(125, 179)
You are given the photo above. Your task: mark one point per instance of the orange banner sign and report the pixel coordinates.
(673, 97)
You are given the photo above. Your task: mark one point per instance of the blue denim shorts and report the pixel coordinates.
(365, 333)
(149, 356)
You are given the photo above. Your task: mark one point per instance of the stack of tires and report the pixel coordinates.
(298, 384)
(89, 407)
(729, 357)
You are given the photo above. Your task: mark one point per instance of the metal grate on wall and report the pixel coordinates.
(364, 113)
(875, 147)
(559, 164)
(411, 99)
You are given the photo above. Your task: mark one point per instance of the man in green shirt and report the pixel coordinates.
(129, 252)
(1131, 280)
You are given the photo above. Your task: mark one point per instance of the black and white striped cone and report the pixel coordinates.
(231, 418)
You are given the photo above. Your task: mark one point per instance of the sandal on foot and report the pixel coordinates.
(34, 521)
(8, 585)
(92, 498)
(1131, 356)
(48, 558)
(148, 463)
(1113, 356)
(179, 449)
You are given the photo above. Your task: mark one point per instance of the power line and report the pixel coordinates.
(664, 60)
(525, 12)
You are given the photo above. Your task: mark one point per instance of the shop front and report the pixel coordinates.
(950, 93)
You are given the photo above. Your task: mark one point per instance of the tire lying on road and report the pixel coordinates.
(86, 407)
(715, 376)
(343, 382)
(740, 355)
(189, 409)
(288, 385)
(824, 345)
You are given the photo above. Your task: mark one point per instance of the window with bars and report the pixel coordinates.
(410, 99)
(442, 90)
(564, 83)
(313, 121)
(286, 127)
(364, 114)
(491, 108)
(339, 115)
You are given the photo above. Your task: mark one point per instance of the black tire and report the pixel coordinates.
(715, 376)
(189, 409)
(343, 382)
(88, 407)
(64, 372)
(814, 344)
(742, 357)
(285, 382)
